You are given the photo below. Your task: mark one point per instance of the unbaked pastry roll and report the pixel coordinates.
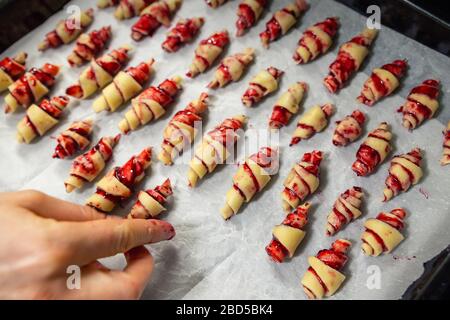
(251, 177)
(263, 84)
(130, 8)
(100, 73)
(11, 69)
(350, 57)
(404, 172)
(216, 148)
(287, 105)
(152, 17)
(207, 52)
(287, 236)
(86, 167)
(373, 150)
(75, 138)
(249, 12)
(184, 32)
(67, 30)
(345, 209)
(348, 129)
(446, 146)
(125, 86)
(151, 104)
(302, 181)
(102, 4)
(382, 234)
(182, 129)
(421, 104)
(323, 278)
(88, 46)
(40, 118)
(215, 3)
(316, 40)
(31, 87)
(231, 68)
(282, 21)
(311, 122)
(150, 203)
(118, 184)
(382, 82)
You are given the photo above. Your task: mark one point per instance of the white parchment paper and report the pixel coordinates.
(210, 258)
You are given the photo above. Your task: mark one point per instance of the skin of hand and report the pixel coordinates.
(40, 236)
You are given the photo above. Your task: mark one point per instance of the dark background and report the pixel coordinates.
(426, 21)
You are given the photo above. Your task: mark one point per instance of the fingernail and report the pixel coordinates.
(167, 231)
(171, 232)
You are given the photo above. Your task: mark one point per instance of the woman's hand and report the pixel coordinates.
(41, 236)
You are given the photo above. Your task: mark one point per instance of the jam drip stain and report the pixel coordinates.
(445, 160)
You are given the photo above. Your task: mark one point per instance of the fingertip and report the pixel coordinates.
(161, 230)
